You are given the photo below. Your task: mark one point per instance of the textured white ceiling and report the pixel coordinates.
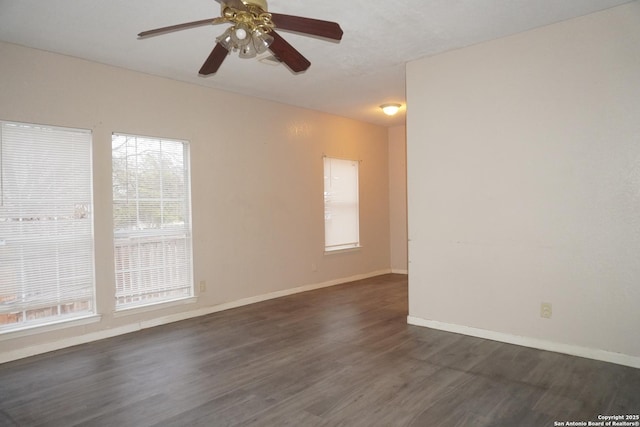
(350, 78)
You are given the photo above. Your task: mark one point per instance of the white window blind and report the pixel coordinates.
(152, 220)
(341, 208)
(46, 225)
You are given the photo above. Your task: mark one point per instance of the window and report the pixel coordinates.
(341, 211)
(46, 225)
(152, 220)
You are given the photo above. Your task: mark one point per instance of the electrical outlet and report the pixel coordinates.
(314, 267)
(545, 310)
(203, 286)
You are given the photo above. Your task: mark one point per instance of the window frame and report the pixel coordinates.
(346, 245)
(58, 219)
(187, 230)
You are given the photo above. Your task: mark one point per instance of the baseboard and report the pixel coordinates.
(20, 353)
(397, 271)
(573, 350)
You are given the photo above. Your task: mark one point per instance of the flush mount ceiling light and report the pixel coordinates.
(390, 109)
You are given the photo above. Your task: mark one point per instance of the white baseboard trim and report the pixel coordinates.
(20, 353)
(573, 350)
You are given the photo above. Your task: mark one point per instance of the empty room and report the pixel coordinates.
(234, 213)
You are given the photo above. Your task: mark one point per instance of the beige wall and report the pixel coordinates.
(256, 169)
(398, 197)
(524, 187)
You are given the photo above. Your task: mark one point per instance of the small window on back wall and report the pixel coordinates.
(341, 208)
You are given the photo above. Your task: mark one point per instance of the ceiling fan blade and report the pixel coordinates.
(315, 27)
(181, 27)
(288, 54)
(214, 61)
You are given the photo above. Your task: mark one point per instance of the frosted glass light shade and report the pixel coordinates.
(262, 41)
(225, 40)
(247, 51)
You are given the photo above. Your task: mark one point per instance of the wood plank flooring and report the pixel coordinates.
(340, 356)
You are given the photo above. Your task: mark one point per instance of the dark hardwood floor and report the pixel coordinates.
(340, 356)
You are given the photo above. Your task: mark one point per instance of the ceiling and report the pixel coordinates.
(350, 78)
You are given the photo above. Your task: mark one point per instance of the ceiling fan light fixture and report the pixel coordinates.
(390, 109)
(249, 42)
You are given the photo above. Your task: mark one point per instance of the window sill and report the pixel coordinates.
(48, 327)
(342, 251)
(129, 311)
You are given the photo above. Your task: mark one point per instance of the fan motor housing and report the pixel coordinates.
(262, 4)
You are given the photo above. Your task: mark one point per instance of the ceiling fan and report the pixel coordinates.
(253, 32)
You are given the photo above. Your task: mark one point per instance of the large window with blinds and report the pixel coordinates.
(341, 205)
(152, 220)
(46, 225)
